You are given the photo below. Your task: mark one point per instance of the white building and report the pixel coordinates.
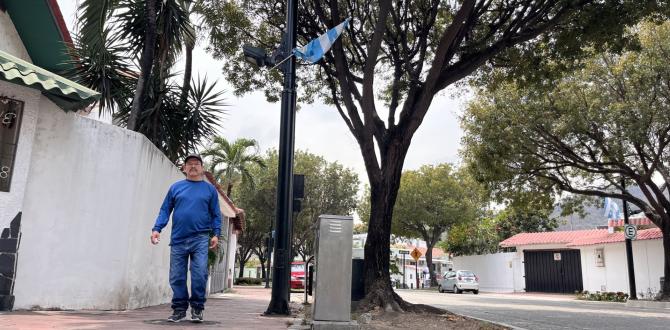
(569, 261)
(78, 197)
(441, 261)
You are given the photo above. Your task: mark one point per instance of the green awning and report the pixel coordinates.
(67, 94)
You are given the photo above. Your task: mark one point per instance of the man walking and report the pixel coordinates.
(194, 204)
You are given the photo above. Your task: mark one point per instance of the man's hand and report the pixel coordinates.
(155, 237)
(214, 242)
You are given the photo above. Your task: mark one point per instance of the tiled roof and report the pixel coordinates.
(437, 252)
(552, 237)
(576, 237)
(618, 237)
(67, 94)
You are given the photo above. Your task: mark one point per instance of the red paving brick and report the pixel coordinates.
(239, 310)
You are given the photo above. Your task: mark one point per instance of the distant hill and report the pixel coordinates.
(595, 216)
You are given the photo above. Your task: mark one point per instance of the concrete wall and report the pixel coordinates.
(230, 257)
(613, 276)
(495, 271)
(92, 196)
(11, 202)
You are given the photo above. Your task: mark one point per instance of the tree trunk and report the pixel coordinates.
(429, 263)
(263, 274)
(187, 75)
(378, 288)
(241, 269)
(146, 62)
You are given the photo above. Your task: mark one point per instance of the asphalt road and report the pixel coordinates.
(543, 311)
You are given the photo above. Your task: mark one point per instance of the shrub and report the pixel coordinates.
(248, 281)
(602, 296)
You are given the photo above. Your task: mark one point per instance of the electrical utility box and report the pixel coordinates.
(332, 282)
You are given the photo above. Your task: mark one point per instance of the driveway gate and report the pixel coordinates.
(558, 271)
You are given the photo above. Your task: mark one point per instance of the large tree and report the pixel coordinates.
(384, 73)
(127, 50)
(431, 201)
(584, 133)
(483, 235)
(330, 188)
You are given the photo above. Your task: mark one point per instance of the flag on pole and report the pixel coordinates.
(314, 50)
(612, 209)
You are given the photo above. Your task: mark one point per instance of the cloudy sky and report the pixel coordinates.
(319, 128)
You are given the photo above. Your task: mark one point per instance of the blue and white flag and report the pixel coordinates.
(612, 209)
(314, 50)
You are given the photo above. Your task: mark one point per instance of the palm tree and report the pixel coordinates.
(126, 50)
(229, 163)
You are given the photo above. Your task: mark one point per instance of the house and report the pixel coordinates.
(593, 260)
(223, 270)
(78, 197)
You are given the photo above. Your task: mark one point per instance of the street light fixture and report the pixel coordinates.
(255, 56)
(282, 246)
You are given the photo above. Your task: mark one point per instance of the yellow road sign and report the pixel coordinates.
(416, 254)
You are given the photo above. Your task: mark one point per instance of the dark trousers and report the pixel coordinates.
(195, 249)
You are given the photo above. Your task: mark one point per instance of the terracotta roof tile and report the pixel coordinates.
(617, 237)
(552, 237)
(577, 237)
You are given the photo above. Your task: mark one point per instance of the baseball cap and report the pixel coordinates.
(196, 156)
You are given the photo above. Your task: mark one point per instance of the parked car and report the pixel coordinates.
(297, 275)
(459, 281)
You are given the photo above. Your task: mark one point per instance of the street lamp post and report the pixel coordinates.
(281, 270)
(629, 250)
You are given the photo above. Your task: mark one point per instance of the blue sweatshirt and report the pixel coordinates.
(196, 210)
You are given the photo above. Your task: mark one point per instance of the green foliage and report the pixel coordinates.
(581, 133)
(433, 199)
(603, 296)
(474, 237)
(413, 38)
(230, 163)
(110, 37)
(330, 188)
(525, 212)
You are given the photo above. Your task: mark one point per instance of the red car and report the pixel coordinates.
(297, 275)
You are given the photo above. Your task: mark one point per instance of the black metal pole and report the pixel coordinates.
(416, 275)
(281, 271)
(403, 271)
(629, 250)
(270, 244)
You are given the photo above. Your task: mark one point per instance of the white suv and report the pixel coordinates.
(459, 281)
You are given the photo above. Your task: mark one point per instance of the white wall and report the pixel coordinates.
(92, 196)
(11, 202)
(647, 260)
(232, 247)
(11, 41)
(495, 271)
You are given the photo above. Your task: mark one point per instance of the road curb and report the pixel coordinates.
(648, 304)
(494, 322)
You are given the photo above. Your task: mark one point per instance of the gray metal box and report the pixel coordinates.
(332, 279)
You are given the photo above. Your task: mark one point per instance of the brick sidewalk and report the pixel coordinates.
(239, 310)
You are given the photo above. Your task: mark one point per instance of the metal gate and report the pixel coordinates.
(218, 270)
(558, 271)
